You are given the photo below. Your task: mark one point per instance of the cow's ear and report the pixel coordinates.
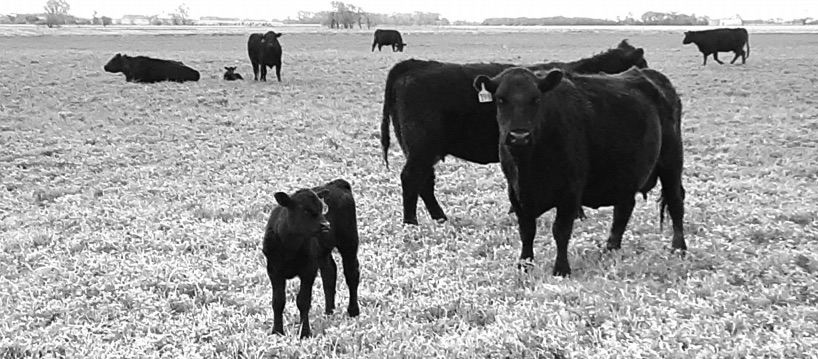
(323, 193)
(279, 34)
(483, 81)
(283, 199)
(550, 81)
(635, 54)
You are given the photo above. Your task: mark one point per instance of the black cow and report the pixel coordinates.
(150, 70)
(435, 113)
(720, 40)
(231, 75)
(265, 51)
(298, 240)
(388, 38)
(570, 140)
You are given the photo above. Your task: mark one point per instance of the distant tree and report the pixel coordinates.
(106, 21)
(55, 12)
(181, 15)
(94, 19)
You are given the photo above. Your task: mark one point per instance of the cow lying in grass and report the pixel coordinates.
(150, 70)
(298, 240)
(231, 75)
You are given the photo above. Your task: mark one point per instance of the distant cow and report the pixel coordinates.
(388, 38)
(570, 140)
(265, 51)
(231, 75)
(720, 40)
(436, 113)
(149, 70)
(298, 240)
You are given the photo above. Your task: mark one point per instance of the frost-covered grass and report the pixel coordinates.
(131, 215)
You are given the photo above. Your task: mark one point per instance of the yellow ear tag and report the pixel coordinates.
(483, 96)
(324, 207)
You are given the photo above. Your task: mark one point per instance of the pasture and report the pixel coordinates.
(131, 215)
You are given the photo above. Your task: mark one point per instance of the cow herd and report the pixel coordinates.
(593, 132)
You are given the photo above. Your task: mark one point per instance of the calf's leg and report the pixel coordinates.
(303, 301)
(352, 273)
(279, 298)
(329, 275)
(561, 230)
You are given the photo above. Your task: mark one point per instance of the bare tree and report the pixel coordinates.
(181, 15)
(55, 12)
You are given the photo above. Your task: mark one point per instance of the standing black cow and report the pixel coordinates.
(230, 74)
(436, 113)
(299, 239)
(570, 140)
(388, 38)
(720, 40)
(265, 51)
(150, 70)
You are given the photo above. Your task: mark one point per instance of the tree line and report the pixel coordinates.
(648, 18)
(348, 16)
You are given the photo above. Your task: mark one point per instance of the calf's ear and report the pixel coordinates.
(279, 34)
(483, 81)
(550, 81)
(283, 199)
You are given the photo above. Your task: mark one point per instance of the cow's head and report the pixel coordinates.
(270, 38)
(116, 64)
(517, 95)
(401, 45)
(305, 211)
(688, 38)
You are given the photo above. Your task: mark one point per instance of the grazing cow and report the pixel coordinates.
(265, 51)
(231, 75)
(298, 240)
(150, 70)
(570, 140)
(436, 113)
(720, 40)
(388, 38)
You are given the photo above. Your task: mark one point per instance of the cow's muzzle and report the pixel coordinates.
(518, 138)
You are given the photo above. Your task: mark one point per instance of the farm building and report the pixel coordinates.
(134, 20)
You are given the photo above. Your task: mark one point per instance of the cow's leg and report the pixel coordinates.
(716, 57)
(527, 226)
(278, 72)
(279, 298)
(427, 193)
(329, 275)
(379, 47)
(303, 302)
(561, 230)
(670, 174)
(263, 72)
(414, 176)
(622, 214)
(738, 53)
(352, 274)
(373, 46)
(705, 60)
(255, 71)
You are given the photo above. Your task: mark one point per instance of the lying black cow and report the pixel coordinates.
(436, 113)
(720, 40)
(298, 241)
(570, 140)
(149, 70)
(388, 38)
(230, 74)
(265, 51)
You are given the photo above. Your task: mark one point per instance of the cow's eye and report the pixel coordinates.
(501, 100)
(535, 100)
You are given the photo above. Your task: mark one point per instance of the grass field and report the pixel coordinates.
(131, 215)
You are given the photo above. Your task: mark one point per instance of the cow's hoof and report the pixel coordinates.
(441, 219)
(412, 221)
(562, 270)
(353, 310)
(525, 265)
(612, 246)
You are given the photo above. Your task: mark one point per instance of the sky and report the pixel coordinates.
(471, 10)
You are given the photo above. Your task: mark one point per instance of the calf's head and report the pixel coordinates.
(517, 95)
(305, 211)
(229, 69)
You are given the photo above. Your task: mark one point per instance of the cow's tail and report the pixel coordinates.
(748, 48)
(389, 103)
